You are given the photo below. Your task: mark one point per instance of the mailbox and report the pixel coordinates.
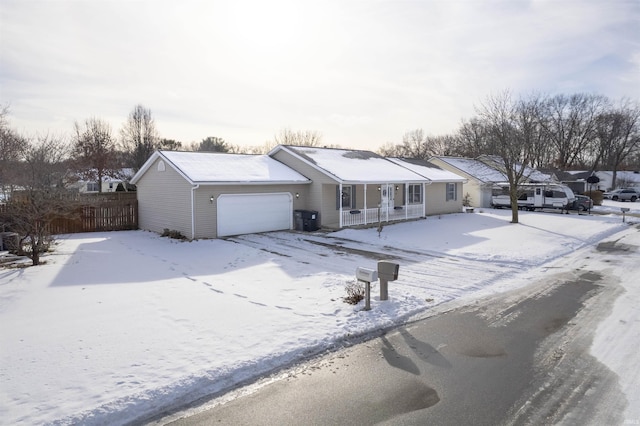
(624, 210)
(366, 274)
(388, 270)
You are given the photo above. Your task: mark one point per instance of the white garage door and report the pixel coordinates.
(249, 213)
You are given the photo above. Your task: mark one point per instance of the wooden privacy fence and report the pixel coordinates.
(115, 211)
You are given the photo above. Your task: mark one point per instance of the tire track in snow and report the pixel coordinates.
(430, 273)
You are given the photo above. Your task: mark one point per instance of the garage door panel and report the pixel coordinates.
(251, 213)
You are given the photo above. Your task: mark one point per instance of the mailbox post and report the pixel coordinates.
(368, 276)
(387, 271)
(624, 210)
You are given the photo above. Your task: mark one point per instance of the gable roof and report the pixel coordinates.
(428, 170)
(212, 167)
(531, 174)
(474, 168)
(487, 169)
(351, 166)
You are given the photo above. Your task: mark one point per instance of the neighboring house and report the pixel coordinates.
(109, 183)
(353, 187)
(210, 195)
(576, 180)
(443, 191)
(480, 178)
(624, 179)
(482, 174)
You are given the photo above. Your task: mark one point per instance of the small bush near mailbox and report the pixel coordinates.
(355, 292)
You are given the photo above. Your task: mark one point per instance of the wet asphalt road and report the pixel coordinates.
(468, 366)
(478, 365)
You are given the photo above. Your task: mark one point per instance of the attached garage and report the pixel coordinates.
(210, 195)
(251, 213)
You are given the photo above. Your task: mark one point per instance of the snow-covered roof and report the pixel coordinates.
(116, 175)
(530, 174)
(428, 170)
(486, 169)
(624, 175)
(352, 165)
(475, 168)
(211, 167)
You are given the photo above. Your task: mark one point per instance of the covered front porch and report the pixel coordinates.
(371, 203)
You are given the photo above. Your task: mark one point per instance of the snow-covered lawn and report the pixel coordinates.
(117, 326)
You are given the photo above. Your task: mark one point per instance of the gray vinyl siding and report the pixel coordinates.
(329, 215)
(373, 197)
(206, 213)
(321, 195)
(164, 201)
(436, 199)
(472, 186)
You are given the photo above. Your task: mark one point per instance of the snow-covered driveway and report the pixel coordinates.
(119, 326)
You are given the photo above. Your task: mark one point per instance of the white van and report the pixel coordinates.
(532, 196)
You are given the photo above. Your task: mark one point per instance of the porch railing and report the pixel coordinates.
(368, 216)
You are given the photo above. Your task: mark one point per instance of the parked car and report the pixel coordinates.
(628, 194)
(582, 203)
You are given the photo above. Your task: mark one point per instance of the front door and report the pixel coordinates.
(387, 197)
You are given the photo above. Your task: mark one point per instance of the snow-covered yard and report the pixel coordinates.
(117, 326)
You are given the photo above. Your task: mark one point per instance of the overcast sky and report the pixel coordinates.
(362, 73)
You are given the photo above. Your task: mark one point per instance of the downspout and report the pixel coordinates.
(193, 211)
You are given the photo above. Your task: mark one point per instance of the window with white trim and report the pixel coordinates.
(415, 193)
(346, 198)
(452, 192)
(92, 187)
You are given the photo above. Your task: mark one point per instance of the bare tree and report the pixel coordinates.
(471, 139)
(390, 150)
(94, 151)
(569, 125)
(42, 196)
(510, 126)
(236, 149)
(265, 148)
(442, 145)
(139, 137)
(619, 135)
(12, 148)
(298, 137)
(414, 145)
(608, 129)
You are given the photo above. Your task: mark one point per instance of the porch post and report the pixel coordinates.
(340, 204)
(424, 199)
(406, 201)
(386, 207)
(365, 203)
